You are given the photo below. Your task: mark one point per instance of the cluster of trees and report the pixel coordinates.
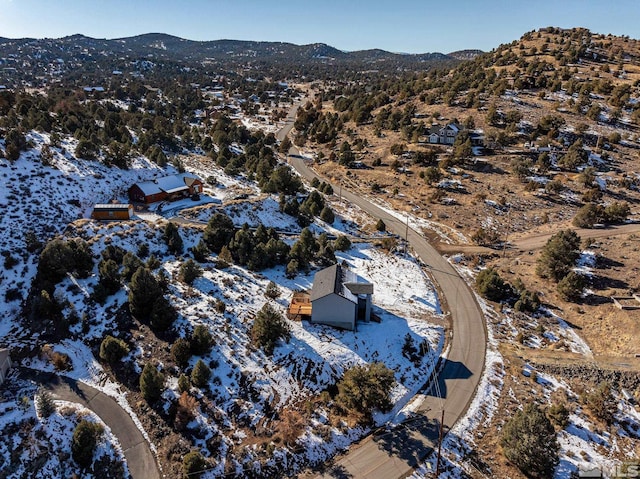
(262, 248)
(199, 343)
(58, 259)
(257, 249)
(493, 287)
(592, 213)
(313, 205)
(147, 302)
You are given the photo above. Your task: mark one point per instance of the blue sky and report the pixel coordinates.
(410, 26)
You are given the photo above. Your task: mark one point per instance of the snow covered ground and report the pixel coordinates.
(36, 445)
(245, 384)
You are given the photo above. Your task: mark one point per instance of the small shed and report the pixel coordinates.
(338, 299)
(112, 211)
(5, 364)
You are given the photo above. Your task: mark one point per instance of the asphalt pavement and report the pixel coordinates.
(140, 459)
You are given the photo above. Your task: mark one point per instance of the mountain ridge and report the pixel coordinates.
(177, 48)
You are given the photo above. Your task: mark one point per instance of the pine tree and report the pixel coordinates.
(364, 389)
(272, 290)
(144, 293)
(173, 239)
(113, 349)
(218, 233)
(327, 215)
(201, 340)
(193, 464)
(83, 444)
(200, 374)
(44, 403)
(190, 271)
(268, 328)
(151, 383)
(109, 275)
(529, 442)
(558, 255)
(181, 352)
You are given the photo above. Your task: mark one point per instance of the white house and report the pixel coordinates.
(338, 299)
(444, 135)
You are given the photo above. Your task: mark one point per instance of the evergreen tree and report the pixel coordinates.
(268, 328)
(529, 442)
(559, 255)
(200, 374)
(342, 243)
(181, 352)
(162, 315)
(109, 276)
(364, 389)
(144, 293)
(193, 464)
(200, 251)
(83, 444)
(201, 340)
(113, 349)
(151, 383)
(189, 271)
(44, 403)
(219, 231)
(173, 239)
(570, 287)
(327, 215)
(492, 286)
(272, 290)
(130, 264)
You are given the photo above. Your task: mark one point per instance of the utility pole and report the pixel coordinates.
(439, 445)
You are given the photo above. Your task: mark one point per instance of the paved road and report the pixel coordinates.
(395, 454)
(140, 459)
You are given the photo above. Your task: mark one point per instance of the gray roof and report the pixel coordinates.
(325, 282)
(340, 281)
(360, 288)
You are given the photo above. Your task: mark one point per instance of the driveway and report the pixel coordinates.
(140, 459)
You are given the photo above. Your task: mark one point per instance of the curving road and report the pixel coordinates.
(140, 459)
(396, 453)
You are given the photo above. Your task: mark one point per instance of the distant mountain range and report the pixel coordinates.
(167, 47)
